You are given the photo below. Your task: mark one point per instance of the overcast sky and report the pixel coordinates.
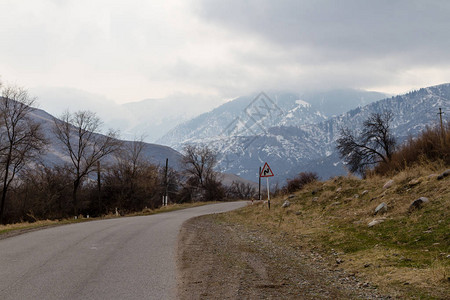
(135, 49)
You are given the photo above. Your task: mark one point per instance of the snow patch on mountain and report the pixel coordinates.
(302, 103)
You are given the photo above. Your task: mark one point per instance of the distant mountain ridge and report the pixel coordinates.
(305, 142)
(287, 109)
(150, 118)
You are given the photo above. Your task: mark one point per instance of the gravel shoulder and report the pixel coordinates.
(218, 260)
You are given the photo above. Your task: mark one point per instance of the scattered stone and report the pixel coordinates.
(338, 190)
(315, 199)
(413, 182)
(286, 204)
(376, 221)
(356, 196)
(444, 174)
(291, 196)
(298, 213)
(364, 192)
(418, 203)
(388, 184)
(432, 175)
(339, 261)
(382, 208)
(405, 259)
(367, 265)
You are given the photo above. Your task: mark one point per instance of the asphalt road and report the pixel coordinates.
(124, 258)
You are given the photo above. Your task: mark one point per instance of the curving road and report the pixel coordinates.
(124, 258)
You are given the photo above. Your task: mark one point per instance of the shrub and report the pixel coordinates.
(300, 181)
(431, 145)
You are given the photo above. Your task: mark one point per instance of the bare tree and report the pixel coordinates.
(241, 190)
(130, 169)
(130, 159)
(199, 163)
(85, 147)
(375, 143)
(21, 139)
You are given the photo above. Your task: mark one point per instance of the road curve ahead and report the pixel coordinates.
(124, 258)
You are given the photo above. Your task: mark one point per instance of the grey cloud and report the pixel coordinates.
(413, 31)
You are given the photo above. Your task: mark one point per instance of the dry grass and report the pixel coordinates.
(26, 225)
(407, 255)
(431, 145)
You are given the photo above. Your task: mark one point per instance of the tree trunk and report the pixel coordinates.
(5, 186)
(76, 185)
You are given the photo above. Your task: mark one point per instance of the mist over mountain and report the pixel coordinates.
(338, 101)
(149, 118)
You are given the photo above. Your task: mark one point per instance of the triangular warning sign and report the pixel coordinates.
(266, 171)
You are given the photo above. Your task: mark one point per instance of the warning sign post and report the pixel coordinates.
(267, 172)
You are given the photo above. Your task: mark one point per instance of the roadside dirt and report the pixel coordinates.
(217, 260)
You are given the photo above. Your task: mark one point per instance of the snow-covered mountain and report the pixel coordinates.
(256, 113)
(293, 136)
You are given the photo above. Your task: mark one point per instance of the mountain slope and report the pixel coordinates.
(56, 154)
(310, 145)
(255, 114)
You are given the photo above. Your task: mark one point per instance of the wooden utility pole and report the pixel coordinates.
(440, 113)
(99, 186)
(166, 184)
(259, 188)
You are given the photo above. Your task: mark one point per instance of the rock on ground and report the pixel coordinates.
(286, 204)
(388, 184)
(418, 203)
(382, 208)
(376, 222)
(444, 174)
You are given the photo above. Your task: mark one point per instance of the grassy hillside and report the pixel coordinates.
(406, 255)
